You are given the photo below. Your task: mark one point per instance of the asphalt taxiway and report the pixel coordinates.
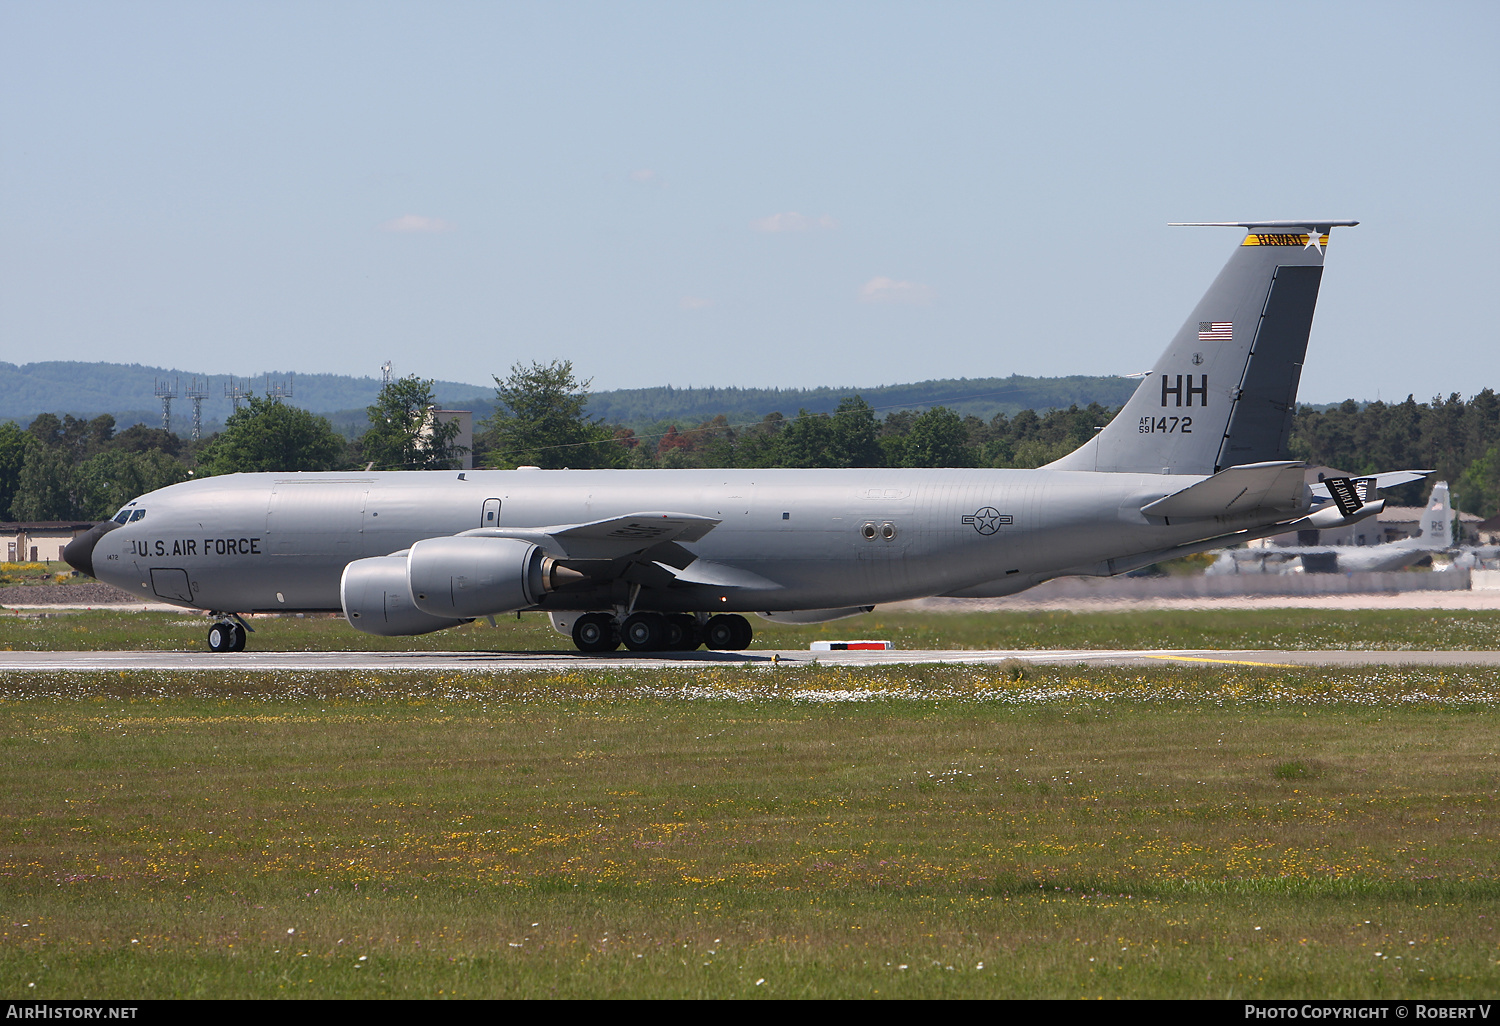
(499, 662)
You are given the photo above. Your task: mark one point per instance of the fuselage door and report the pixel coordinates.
(171, 584)
(490, 517)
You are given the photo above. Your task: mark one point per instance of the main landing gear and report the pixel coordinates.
(228, 634)
(661, 632)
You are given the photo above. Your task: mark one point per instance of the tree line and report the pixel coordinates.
(75, 469)
(68, 468)
(1457, 439)
(542, 421)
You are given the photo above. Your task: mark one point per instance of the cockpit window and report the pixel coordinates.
(122, 517)
(139, 514)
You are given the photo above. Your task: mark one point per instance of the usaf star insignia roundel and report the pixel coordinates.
(987, 520)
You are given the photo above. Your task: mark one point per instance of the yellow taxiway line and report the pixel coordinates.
(1233, 662)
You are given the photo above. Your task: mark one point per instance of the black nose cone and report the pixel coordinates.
(79, 553)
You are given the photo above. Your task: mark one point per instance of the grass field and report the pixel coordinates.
(1394, 629)
(934, 831)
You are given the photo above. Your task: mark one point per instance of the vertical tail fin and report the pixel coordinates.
(1437, 520)
(1224, 392)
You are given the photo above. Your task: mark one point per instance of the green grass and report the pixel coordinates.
(934, 831)
(1295, 770)
(1374, 629)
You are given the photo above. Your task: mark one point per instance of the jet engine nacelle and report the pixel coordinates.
(472, 577)
(377, 600)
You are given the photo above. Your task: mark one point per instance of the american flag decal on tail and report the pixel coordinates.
(1215, 331)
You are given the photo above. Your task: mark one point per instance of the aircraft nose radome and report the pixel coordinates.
(79, 553)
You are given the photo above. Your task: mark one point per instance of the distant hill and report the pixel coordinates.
(983, 397)
(647, 408)
(127, 392)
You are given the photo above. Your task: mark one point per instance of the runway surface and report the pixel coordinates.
(493, 662)
(1026, 602)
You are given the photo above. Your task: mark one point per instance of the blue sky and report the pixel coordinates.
(737, 194)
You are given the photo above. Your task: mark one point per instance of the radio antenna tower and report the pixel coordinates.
(279, 391)
(385, 374)
(235, 392)
(197, 393)
(166, 391)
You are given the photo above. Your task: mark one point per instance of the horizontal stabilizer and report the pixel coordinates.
(1322, 223)
(1368, 486)
(719, 575)
(1236, 490)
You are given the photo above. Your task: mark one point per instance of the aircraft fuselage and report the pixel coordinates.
(1196, 458)
(818, 538)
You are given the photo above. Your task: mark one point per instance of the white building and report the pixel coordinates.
(465, 436)
(39, 540)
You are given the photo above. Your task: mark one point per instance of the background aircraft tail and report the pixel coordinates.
(1223, 393)
(1437, 520)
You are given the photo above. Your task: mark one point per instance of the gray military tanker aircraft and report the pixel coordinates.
(670, 559)
(1434, 535)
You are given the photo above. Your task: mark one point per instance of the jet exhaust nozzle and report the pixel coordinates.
(555, 575)
(474, 576)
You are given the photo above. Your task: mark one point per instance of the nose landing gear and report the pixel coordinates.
(228, 634)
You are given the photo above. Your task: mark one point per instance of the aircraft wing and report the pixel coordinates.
(614, 538)
(1255, 486)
